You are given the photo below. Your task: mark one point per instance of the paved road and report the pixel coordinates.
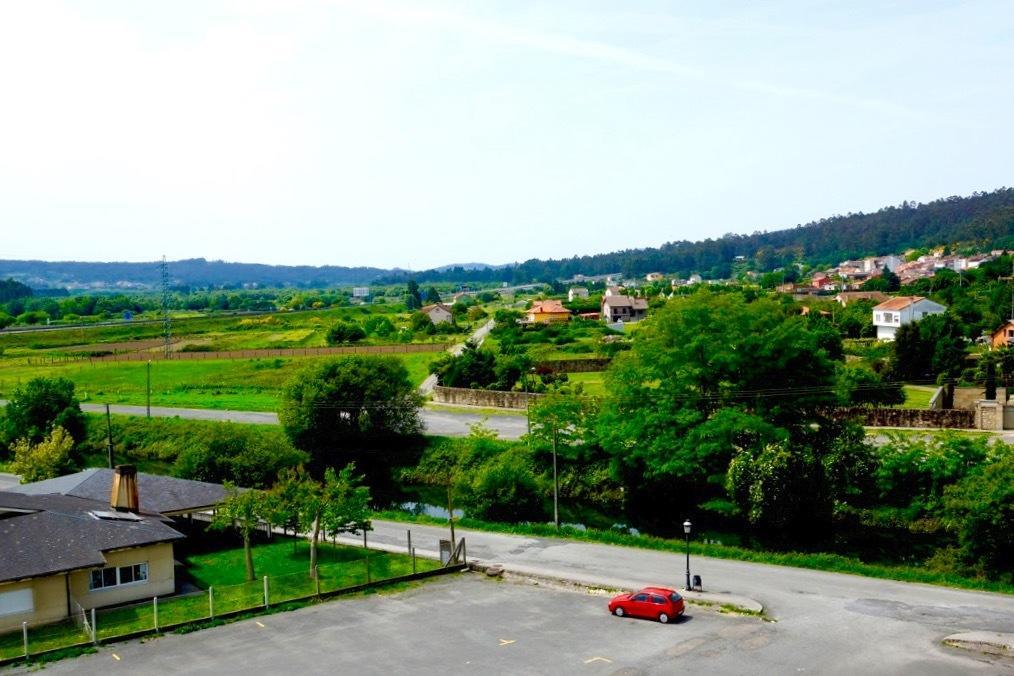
(471, 625)
(444, 423)
(831, 613)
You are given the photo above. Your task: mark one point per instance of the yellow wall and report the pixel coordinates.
(49, 597)
(546, 317)
(161, 581)
(50, 593)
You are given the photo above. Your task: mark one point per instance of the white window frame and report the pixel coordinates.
(143, 566)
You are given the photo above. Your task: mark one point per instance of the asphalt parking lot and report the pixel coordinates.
(469, 624)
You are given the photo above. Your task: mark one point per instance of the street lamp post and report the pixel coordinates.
(686, 532)
(148, 389)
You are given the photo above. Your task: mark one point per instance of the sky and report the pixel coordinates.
(414, 134)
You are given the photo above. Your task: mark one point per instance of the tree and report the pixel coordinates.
(337, 505)
(444, 465)
(344, 332)
(234, 453)
(379, 325)
(712, 377)
(413, 299)
(40, 405)
(473, 368)
(934, 346)
(334, 407)
(243, 510)
(45, 460)
(432, 296)
(858, 386)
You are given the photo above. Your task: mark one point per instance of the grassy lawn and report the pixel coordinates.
(592, 381)
(918, 396)
(240, 384)
(285, 561)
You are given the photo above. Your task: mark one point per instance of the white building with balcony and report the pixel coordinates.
(892, 314)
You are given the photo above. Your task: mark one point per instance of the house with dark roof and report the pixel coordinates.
(616, 307)
(60, 552)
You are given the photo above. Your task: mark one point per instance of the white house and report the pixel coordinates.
(901, 310)
(576, 292)
(438, 313)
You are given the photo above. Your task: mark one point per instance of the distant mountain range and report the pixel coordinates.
(982, 220)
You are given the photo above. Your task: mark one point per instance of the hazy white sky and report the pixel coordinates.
(414, 134)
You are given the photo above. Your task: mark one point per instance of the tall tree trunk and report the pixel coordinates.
(314, 537)
(248, 555)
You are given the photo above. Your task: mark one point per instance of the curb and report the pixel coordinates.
(989, 642)
(736, 603)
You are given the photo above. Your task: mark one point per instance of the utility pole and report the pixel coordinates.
(148, 390)
(109, 438)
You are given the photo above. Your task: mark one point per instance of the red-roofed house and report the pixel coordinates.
(546, 311)
(892, 314)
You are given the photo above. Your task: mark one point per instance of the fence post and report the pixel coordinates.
(95, 630)
(413, 560)
(316, 579)
(409, 531)
(24, 634)
(265, 591)
(211, 601)
(367, 560)
(155, 605)
(464, 551)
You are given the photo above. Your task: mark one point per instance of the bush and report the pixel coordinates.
(980, 510)
(505, 489)
(344, 332)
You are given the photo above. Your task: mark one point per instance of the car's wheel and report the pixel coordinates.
(663, 618)
(618, 612)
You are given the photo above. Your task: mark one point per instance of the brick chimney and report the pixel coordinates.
(124, 497)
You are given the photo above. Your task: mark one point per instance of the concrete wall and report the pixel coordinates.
(49, 596)
(989, 415)
(161, 580)
(909, 417)
(484, 398)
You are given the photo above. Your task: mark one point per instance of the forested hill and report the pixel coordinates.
(195, 272)
(982, 219)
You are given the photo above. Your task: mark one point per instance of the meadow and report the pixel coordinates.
(236, 384)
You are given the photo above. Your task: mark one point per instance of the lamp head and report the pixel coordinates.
(686, 526)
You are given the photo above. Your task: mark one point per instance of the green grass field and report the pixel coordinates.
(918, 396)
(241, 384)
(593, 382)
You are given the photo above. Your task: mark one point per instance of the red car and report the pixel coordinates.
(656, 603)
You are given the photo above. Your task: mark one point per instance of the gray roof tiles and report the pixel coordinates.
(161, 494)
(47, 534)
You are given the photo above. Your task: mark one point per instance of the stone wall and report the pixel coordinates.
(484, 398)
(910, 417)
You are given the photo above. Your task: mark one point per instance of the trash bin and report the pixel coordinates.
(697, 586)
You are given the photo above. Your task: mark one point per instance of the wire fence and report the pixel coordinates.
(91, 626)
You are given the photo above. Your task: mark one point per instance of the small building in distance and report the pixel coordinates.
(654, 277)
(576, 292)
(360, 292)
(547, 311)
(617, 307)
(892, 314)
(1003, 336)
(437, 312)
